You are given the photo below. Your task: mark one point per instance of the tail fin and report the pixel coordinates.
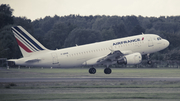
(27, 43)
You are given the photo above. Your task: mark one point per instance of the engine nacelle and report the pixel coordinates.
(134, 58)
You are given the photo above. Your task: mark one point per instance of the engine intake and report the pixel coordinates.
(134, 58)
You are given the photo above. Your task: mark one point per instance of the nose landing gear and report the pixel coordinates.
(149, 61)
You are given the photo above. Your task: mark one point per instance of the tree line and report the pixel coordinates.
(66, 31)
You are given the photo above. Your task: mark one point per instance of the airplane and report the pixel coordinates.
(128, 50)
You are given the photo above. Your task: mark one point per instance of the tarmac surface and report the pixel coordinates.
(89, 79)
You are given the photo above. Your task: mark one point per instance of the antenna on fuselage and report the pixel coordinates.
(142, 33)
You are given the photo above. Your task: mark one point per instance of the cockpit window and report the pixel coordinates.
(159, 38)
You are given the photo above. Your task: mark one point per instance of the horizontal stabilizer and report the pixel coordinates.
(33, 60)
(13, 60)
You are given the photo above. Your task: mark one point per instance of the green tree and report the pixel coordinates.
(137, 30)
(5, 15)
(130, 22)
(8, 44)
(173, 40)
(82, 36)
(57, 35)
(108, 34)
(25, 23)
(119, 30)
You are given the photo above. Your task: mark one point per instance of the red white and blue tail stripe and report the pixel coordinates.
(26, 42)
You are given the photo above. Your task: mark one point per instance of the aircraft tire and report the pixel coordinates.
(92, 70)
(149, 62)
(107, 70)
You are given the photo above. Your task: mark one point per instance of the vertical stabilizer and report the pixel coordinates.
(27, 43)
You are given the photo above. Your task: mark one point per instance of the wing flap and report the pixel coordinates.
(110, 58)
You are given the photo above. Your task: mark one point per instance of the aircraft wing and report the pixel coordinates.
(111, 57)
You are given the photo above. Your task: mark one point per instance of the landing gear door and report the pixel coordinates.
(150, 42)
(54, 58)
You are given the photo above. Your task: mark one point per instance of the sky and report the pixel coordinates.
(35, 9)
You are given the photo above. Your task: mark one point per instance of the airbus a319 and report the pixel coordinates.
(128, 50)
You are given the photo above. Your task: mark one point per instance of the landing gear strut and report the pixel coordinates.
(92, 70)
(107, 70)
(149, 61)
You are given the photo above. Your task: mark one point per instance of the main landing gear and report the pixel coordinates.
(92, 70)
(107, 70)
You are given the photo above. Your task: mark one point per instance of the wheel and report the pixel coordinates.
(92, 70)
(107, 71)
(149, 62)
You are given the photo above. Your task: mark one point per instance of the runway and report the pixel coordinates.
(60, 79)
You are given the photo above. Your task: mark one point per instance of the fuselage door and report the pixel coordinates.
(150, 41)
(54, 58)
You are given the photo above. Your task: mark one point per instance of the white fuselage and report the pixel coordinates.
(76, 56)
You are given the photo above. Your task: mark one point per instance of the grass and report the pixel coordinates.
(102, 90)
(106, 96)
(83, 72)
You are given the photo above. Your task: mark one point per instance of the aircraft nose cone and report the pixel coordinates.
(166, 43)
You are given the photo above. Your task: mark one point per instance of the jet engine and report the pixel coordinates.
(134, 58)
